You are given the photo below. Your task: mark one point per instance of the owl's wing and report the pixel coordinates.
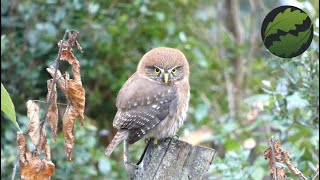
(142, 104)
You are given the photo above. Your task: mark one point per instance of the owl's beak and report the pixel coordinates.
(166, 77)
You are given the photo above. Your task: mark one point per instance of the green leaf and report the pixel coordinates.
(283, 21)
(289, 43)
(232, 145)
(7, 106)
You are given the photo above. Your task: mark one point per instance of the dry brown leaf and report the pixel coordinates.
(33, 168)
(268, 155)
(277, 150)
(76, 94)
(43, 140)
(36, 133)
(76, 72)
(281, 174)
(33, 112)
(68, 120)
(67, 53)
(61, 82)
(293, 169)
(72, 38)
(21, 141)
(37, 169)
(48, 152)
(52, 114)
(279, 156)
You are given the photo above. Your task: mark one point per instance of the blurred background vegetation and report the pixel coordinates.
(241, 95)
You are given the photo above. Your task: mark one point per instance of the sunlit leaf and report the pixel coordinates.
(7, 106)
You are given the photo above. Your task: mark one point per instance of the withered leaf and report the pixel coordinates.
(43, 139)
(76, 72)
(293, 169)
(68, 120)
(61, 82)
(48, 152)
(52, 114)
(72, 38)
(67, 53)
(76, 94)
(21, 141)
(37, 169)
(277, 149)
(36, 132)
(275, 153)
(281, 173)
(33, 112)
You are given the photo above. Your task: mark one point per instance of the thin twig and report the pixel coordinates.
(45, 102)
(273, 159)
(15, 166)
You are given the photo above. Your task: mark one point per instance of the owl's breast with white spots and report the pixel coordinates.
(171, 124)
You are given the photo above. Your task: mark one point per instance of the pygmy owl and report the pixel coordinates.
(153, 102)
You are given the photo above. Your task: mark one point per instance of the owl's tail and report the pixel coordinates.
(120, 135)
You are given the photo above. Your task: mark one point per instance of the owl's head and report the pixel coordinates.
(164, 65)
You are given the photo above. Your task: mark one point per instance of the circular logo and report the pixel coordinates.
(287, 31)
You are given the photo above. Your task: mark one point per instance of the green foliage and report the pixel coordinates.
(283, 21)
(7, 106)
(289, 43)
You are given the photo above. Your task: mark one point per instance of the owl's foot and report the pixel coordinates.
(173, 137)
(155, 141)
(147, 140)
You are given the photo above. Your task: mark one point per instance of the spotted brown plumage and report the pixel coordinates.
(154, 100)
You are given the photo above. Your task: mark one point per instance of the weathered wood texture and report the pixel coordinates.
(172, 159)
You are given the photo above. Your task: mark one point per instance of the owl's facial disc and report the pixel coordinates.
(165, 75)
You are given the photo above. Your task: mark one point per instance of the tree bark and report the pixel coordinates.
(173, 159)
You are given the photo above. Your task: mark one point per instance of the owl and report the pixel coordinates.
(153, 102)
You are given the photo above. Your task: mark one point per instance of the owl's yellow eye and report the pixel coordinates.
(157, 70)
(174, 71)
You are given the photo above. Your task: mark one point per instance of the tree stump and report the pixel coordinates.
(172, 159)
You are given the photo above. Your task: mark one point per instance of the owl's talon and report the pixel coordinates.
(155, 141)
(176, 136)
(146, 140)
